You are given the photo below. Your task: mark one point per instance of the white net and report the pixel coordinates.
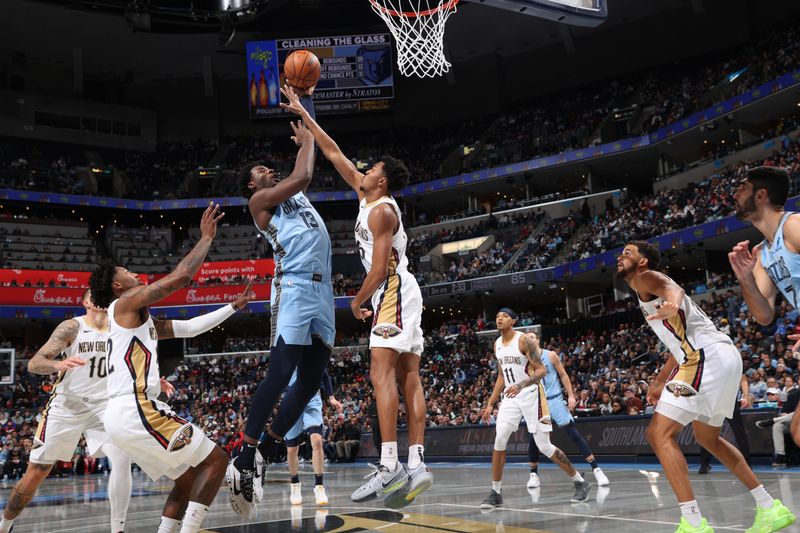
(418, 29)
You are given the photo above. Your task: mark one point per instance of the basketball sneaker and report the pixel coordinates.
(295, 497)
(582, 489)
(533, 481)
(492, 501)
(320, 495)
(535, 494)
(421, 480)
(775, 518)
(685, 527)
(380, 482)
(600, 477)
(259, 478)
(240, 485)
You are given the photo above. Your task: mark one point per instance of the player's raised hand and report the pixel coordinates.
(742, 260)
(208, 222)
(294, 105)
(664, 311)
(302, 134)
(167, 387)
(68, 364)
(246, 297)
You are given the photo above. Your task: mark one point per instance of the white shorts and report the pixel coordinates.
(714, 373)
(154, 437)
(397, 306)
(61, 428)
(530, 404)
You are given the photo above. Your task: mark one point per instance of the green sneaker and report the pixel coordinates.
(685, 527)
(775, 518)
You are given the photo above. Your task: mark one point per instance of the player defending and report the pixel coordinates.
(75, 408)
(146, 429)
(396, 340)
(303, 330)
(701, 378)
(775, 263)
(519, 373)
(560, 414)
(309, 422)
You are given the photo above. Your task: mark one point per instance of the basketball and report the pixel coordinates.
(301, 69)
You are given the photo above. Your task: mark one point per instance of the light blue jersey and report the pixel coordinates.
(782, 266)
(552, 389)
(302, 293)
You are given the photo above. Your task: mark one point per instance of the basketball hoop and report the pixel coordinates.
(418, 28)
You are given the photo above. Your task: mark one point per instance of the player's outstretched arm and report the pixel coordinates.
(758, 290)
(661, 286)
(133, 301)
(265, 199)
(329, 148)
(382, 222)
(43, 361)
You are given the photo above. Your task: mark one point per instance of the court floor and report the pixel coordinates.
(638, 499)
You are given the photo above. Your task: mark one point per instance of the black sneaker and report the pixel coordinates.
(780, 461)
(492, 501)
(705, 468)
(766, 423)
(581, 491)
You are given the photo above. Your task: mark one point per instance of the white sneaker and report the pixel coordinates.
(240, 485)
(535, 494)
(600, 477)
(533, 481)
(319, 495)
(297, 517)
(259, 479)
(296, 497)
(320, 518)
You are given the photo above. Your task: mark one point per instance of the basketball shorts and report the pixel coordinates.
(302, 308)
(529, 404)
(559, 412)
(397, 308)
(61, 428)
(154, 437)
(312, 416)
(714, 373)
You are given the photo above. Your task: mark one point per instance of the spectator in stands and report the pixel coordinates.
(15, 464)
(780, 427)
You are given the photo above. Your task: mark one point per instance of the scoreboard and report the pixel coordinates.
(356, 73)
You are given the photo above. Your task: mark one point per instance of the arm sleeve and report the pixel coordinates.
(201, 324)
(326, 386)
(308, 104)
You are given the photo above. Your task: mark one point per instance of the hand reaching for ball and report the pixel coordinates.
(294, 105)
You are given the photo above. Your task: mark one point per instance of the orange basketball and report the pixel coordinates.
(301, 69)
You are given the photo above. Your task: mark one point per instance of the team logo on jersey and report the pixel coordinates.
(181, 438)
(386, 330)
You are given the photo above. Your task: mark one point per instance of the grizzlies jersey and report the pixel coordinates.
(398, 262)
(299, 239)
(512, 363)
(782, 265)
(84, 382)
(552, 382)
(133, 360)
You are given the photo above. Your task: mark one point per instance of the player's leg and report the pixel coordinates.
(318, 462)
(120, 482)
(508, 419)
(533, 462)
(177, 501)
(207, 480)
(23, 492)
(771, 514)
(293, 462)
(586, 452)
(409, 380)
(581, 485)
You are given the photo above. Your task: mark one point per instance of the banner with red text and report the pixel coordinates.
(47, 296)
(224, 270)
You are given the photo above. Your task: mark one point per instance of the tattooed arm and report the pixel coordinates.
(43, 361)
(132, 302)
(529, 345)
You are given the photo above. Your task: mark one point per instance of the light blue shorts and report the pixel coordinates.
(559, 412)
(312, 416)
(302, 308)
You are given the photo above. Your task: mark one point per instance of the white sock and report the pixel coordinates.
(193, 519)
(577, 478)
(5, 524)
(691, 512)
(117, 526)
(415, 455)
(168, 525)
(762, 497)
(389, 455)
(497, 486)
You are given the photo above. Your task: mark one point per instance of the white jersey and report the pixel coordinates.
(398, 262)
(513, 363)
(133, 359)
(686, 333)
(84, 383)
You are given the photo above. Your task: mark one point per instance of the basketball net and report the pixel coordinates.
(418, 29)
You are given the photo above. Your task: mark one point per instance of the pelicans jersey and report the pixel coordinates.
(145, 428)
(530, 403)
(782, 265)
(302, 293)
(397, 304)
(77, 402)
(703, 386)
